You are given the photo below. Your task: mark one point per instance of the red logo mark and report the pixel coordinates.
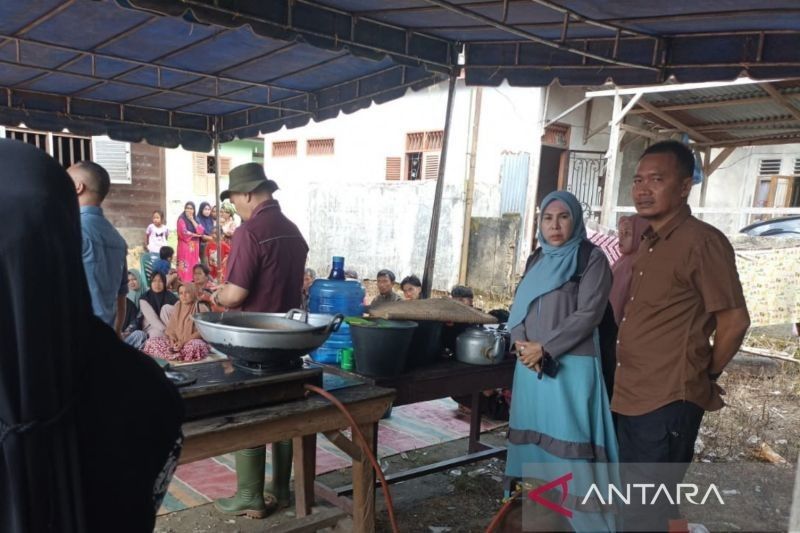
(563, 482)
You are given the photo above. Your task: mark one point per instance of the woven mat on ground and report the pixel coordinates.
(441, 309)
(410, 427)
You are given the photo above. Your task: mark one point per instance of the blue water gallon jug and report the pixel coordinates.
(331, 296)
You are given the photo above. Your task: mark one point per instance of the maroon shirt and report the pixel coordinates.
(268, 258)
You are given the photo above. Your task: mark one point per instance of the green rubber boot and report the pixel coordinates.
(249, 497)
(281, 472)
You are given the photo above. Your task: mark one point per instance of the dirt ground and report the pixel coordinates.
(761, 422)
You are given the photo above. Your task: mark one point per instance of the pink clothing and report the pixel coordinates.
(622, 270)
(188, 250)
(161, 347)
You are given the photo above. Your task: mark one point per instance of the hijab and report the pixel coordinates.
(623, 268)
(157, 300)
(181, 326)
(80, 410)
(206, 222)
(556, 264)
(189, 224)
(136, 295)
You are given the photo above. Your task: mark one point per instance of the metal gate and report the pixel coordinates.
(514, 182)
(586, 176)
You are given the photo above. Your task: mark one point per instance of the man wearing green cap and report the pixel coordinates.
(265, 274)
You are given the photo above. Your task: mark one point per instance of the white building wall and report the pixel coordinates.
(733, 184)
(560, 99)
(343, 204)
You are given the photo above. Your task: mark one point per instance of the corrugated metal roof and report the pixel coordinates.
(738, 113)
(728, 113)
(174, 71)
(704, 95)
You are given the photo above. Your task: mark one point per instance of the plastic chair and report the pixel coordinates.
(146, 263)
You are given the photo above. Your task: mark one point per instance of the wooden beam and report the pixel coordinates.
(780, 99)
(305, 465)
(753, 141)
(609, 198)
(322, 519)
(633, 101)
(706, 176)
(595, 131)
(587, 120)
(649, 89)
(343, 443)
(717, 161)
(674, 121)
(641, 132)
(565, 112)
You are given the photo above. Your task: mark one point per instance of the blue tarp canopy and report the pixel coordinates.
(169, 71)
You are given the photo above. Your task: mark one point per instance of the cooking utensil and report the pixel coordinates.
(266, 338)
(481, 346)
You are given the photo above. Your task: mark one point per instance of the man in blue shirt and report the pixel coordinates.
(104, 250)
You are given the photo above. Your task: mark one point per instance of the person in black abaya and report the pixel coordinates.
(89, 427)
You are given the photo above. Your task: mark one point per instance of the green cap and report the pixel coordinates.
(247, 178)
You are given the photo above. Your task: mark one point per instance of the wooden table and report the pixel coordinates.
(301, 421)
(440, 380)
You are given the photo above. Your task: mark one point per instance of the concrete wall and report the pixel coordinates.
(492, 253)
(383, 225)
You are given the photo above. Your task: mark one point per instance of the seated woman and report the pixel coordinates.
(132, 332)
(411, 287)
(91, 426)
(181, 340)
(205, 286)
(560, 416)
(157, 306)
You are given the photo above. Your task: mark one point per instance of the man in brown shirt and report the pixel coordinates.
(265, 274)
(685, 289)
(385, 293)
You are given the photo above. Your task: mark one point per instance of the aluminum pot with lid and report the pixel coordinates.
(481, 346)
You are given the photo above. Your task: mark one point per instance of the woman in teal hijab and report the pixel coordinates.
(136, 286)
(132, 332)
(560, 423)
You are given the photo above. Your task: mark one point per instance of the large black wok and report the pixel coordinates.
(266, 338)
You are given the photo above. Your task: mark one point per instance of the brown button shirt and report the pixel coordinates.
(268, 258)
(682, 275)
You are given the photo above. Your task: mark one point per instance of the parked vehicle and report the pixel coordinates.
(776, 227)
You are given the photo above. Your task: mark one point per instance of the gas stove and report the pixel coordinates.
(220, 387)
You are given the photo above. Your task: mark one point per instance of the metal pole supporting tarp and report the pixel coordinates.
(216, 196)
(430, 256)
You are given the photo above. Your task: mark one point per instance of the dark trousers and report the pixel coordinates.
(665, 435)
